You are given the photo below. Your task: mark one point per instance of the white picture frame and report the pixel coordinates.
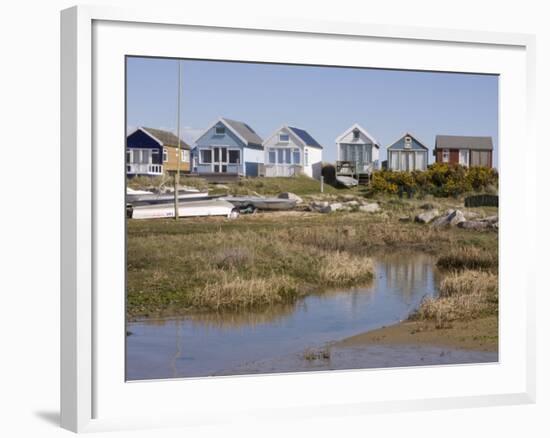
(93, 397)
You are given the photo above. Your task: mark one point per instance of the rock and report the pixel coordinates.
(292, 196)
(427, 217)
(320, 204)
(471, 215)
(456, 217)
(320, 207)
(474, 225)
(336, 206)
(490, 219)
(351, 203)
(450, 218)
(369, 208)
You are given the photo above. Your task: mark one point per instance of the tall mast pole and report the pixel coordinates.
(178, 156)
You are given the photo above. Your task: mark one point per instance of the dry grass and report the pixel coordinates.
(170, 263)
(468, 257)
(464, 296)
(341, 268)
(229, 292)
(469, 282)
(176, 272)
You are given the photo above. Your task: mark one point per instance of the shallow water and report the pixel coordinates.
(274, 340)
(369, 356)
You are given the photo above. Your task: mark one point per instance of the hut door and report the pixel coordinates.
(219, 162)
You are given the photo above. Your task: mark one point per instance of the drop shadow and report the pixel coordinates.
(51, 417)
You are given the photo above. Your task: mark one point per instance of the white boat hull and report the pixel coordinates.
(347, 181)
(191, 209)
(165, 198)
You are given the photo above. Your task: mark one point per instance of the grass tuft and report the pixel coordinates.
(464, 296)
(469, 257)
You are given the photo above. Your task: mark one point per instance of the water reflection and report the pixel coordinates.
(215, 343)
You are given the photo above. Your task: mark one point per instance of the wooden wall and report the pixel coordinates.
(170, 165)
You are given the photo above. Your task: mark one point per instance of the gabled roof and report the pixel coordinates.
(360, 128)
(305, 138)
(243, 132)
(408, 134)
(164, 138)
(463, 142)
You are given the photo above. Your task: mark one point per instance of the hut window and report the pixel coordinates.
(445, 155)
(408, 142)
(306, 157)
(463, 157)
(283, 156)
(394, 161)
(220, 130)
(128, 156)
(355, 134)
(164, 154)
(484, 158)
(234, 156)
(284, 138)
(420, 161)
(272, 157)
(343, 152)
(296, 156)
(206, 156)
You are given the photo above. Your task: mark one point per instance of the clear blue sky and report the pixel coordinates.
(323, 100)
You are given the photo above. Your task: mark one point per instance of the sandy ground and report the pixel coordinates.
(479, 334)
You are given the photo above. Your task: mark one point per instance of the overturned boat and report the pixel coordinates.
(196, 208)
(141, 197)
(347, 181)
(260, 203)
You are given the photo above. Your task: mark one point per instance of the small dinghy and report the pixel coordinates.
(260, 203)
(197, 208)
(347, 181)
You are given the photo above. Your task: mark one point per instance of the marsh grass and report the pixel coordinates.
(343, 269)
(219, 270)
(463, 296)
(174, 267)
(236, 293)
(468, 257)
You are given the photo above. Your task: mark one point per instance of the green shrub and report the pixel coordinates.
(481, 178)
(440, 179)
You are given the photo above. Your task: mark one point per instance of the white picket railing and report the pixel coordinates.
(273, 170)
(143, 169)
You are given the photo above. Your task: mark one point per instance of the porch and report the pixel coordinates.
(284, 170)
(361, 171)
(134, 169)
